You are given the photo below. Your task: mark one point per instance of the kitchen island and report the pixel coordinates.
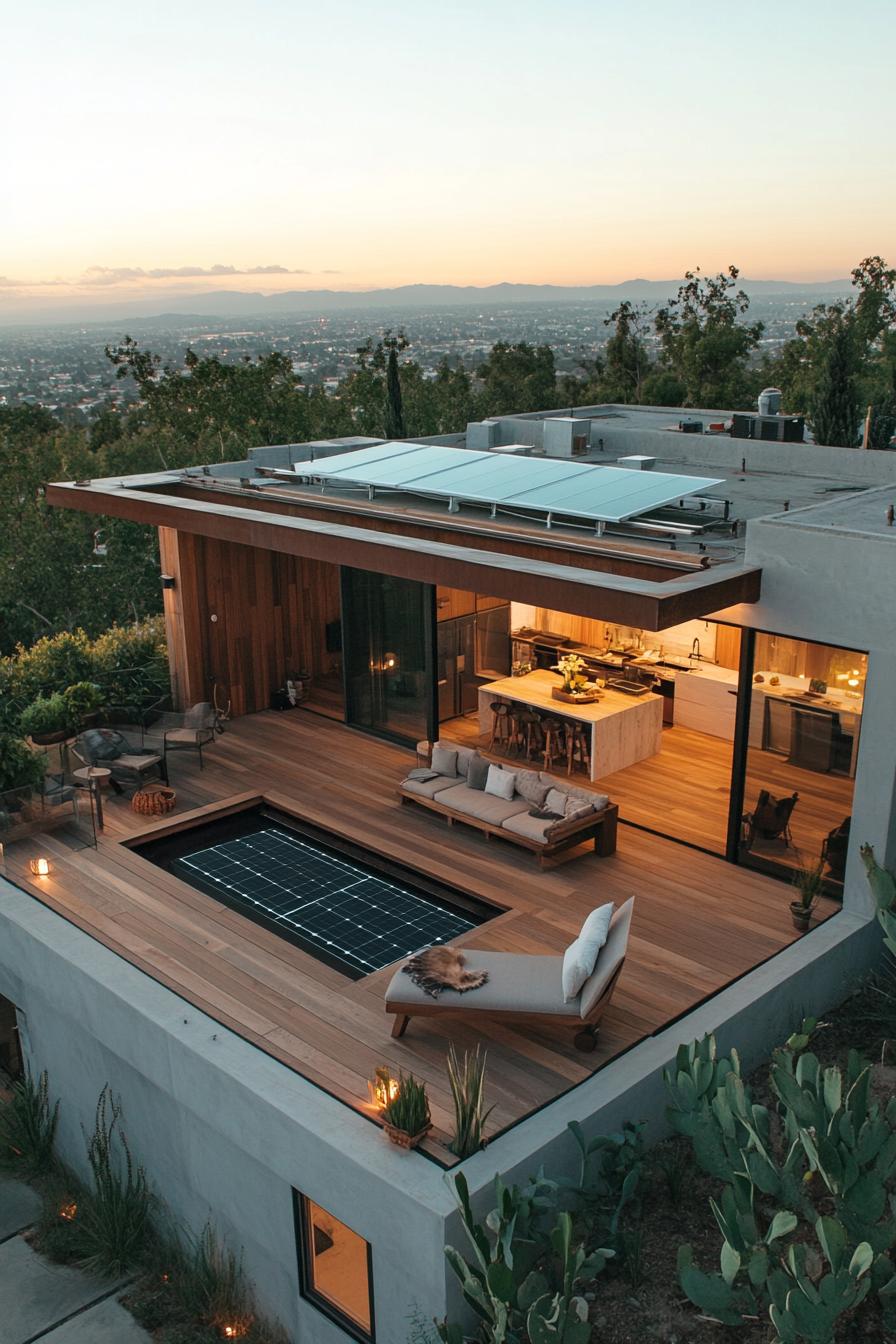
(624, 728)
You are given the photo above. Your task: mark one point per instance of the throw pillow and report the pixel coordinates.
(595, 930)
(530, 787)
(544, 814)
(444, 762)
(500, 782)
(556, 801)
(477, 772)
(576, 970)
(575, 810)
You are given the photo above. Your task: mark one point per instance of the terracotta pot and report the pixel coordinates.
(402, 1139)
(800, 915)
(50, 739)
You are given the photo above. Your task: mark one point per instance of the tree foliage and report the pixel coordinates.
(705, 344)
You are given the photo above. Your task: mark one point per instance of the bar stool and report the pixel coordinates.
(554, 741)
(577, 744)
(530, 729)
(502, 728)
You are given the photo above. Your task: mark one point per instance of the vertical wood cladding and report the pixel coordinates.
(270, 614)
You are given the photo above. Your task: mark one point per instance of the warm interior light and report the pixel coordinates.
(383, 1088)
(390, 662)
(235, 1330)
(40, 867)
(67, 1212)
(853, 681)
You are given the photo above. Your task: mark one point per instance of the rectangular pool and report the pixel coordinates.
(349, 908)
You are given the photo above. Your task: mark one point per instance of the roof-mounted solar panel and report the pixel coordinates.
(601, 494)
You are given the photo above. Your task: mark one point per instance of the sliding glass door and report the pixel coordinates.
(387, 654)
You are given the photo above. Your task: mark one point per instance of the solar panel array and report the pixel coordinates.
(545, 485)
(344, 914)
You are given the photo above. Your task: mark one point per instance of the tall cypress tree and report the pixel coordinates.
(394, 421)
(835, 410)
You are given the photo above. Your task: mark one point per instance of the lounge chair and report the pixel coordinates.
(130, 766)
(191, 731)
(769, 820)
(522, 990)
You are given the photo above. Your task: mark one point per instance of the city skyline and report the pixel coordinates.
(214, 149)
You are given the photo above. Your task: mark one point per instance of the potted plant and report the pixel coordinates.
(83, 700)
(46, 720)
(406, 1119)
(21, 770)
(575, 681)
(807, 884)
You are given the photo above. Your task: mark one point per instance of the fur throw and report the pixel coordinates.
(439, 968)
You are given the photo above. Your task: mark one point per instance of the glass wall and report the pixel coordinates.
(386, 637)
(804, 723)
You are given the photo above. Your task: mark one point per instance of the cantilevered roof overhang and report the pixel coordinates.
(648, 604)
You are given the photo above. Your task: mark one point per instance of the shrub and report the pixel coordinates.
(47, 714)
(132, 661)
(28, 1124)
(51, 664)
(20, 767)
(114, 1217)
(84, 698)
(409, 1110)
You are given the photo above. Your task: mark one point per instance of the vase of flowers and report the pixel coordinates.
(572, 669)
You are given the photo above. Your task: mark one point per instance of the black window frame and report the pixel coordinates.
(307, 1289)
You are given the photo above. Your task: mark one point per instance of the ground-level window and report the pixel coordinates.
(334, 1268)
(10, 1047)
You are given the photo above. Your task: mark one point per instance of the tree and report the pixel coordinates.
(835, 410)
(394, 417)
(518, 377)
(626, 359)
(704, 343)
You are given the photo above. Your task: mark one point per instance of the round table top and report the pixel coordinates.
(89, 772)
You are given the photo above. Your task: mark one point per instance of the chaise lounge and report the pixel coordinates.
(526, 807)
(522, 990)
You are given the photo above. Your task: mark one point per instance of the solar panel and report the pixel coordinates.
(342, 913)
(546, 485)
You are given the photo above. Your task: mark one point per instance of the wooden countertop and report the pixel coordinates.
(535, 689)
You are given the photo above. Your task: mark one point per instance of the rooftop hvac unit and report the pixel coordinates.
(770, 401)
(637, 462)
(691, 426)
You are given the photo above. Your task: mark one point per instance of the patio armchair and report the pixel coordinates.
(522, 990)
(769, 820)
(190, 731)
(130, 766)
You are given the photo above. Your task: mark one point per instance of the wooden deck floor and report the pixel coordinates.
(698, 923)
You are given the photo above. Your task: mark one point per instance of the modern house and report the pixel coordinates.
(356, 601)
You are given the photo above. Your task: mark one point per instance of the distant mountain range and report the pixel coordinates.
(235, 303)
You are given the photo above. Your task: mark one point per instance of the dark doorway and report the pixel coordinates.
(11, 1061)
(387, 654)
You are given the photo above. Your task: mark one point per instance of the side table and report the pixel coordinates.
(92, 778)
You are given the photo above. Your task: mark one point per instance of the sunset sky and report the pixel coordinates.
(350, 145)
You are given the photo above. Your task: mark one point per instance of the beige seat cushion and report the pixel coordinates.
(136, 762)
(482, 806)
(516, 983)
(428, 788)
(533, 828)
(190, 735)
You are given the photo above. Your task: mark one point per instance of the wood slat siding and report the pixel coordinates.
(271, 611)
(698, 923)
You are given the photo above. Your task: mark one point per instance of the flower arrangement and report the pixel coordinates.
(571, 668)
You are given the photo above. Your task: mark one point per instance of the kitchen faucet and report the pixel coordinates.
(695, 649)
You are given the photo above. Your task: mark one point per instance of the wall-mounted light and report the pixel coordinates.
(168, 581)
(40, 867)
(390, 662)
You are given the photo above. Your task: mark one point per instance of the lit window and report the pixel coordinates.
(334, 1268)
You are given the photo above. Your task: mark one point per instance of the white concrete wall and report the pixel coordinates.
(223, 1130)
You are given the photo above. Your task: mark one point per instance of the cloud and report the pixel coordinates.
(116, 275)
(331, 272)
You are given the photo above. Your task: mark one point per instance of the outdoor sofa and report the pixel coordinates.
(522, 990)
(588, 815)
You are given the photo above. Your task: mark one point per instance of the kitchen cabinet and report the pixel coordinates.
(706, 699)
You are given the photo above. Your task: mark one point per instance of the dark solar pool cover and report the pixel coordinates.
(353, 918)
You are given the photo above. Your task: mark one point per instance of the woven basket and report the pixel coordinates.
(154, 801)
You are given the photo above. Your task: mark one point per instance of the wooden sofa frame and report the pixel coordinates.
(601, 826)
(585, 1027)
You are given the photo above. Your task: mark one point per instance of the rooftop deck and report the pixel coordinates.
(698, 924)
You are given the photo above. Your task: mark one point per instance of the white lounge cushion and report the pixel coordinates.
(580, 957)
(500, 783)
(533, 828)
(428, 788)
(135, 762)
(483, 806)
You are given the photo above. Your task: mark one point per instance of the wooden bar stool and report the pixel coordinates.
(554, 741)
(502, 728)
(578, 744)
(531, 732)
